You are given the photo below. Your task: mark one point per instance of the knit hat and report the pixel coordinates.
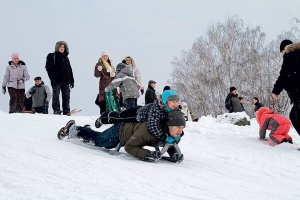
(284, 43)
(104, 53)
(119, 67)
(14, 55)
(260, 112)
(232, 89)
(176, 118)
(38, 78)
(183, 104)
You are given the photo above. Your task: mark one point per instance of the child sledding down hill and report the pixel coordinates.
(278, 124)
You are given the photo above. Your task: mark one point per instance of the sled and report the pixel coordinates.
(112, 101)
(74, 111)
(164, 148)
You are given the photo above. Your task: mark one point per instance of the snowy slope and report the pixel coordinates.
(222, 161)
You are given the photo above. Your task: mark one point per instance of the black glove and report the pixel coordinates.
(142, 91)
(71, 85)
(3, 89)
(33, 90)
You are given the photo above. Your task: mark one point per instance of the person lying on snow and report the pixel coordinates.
(133, 135)
(278, 124)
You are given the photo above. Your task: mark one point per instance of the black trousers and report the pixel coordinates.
(65, 91)
(295, 116)
(42, 109)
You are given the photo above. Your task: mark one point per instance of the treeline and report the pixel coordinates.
(230, 54)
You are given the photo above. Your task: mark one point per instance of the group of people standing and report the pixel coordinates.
(38, 97)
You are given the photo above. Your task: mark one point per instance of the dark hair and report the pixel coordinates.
(240, 98)
(167, 88)
(255, 98)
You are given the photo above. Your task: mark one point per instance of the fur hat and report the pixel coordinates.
(14, 55)
(104, 53)
(232, 89)
(284, 43)
(176, 118)
(260, 112)
(59, 43)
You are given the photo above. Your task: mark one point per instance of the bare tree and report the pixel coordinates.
(228, 55)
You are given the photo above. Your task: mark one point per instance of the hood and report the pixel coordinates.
(60, 43)
(127, 71)
(169, 94)
(262, 111)
(292, 47)
(19, 63)
(132, 59)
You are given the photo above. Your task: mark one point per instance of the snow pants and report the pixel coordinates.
(280, 133)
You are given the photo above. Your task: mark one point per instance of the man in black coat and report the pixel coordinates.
(257, 104)
(150, 95)
(61, 76)
(232, 102)
(289, 79)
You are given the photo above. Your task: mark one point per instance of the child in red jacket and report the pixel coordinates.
(278, 124)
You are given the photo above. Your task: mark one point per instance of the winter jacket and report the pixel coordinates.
(105, 77)
(41, 95)
(232, 103)
(58, 66)
(154, 113)
(130, 89)
(136, 135)
(289, 78)
(150, 95)
(257, 106)
(14, 73)
(269, 120)
(243, 108)
(136, 71)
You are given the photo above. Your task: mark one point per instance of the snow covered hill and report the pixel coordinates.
(222, 161)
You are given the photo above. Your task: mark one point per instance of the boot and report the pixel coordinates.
(64, 131)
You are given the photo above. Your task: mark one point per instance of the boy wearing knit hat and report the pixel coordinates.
(133, 135)
(278, 124)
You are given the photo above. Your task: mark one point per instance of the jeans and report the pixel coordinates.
(108, 138)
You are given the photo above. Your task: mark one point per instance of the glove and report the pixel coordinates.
(112, 74)
(33, 90)
(3, 89)
(99, 68)
(46, 104)
(20, 81)
(71, 85)
(142, 91)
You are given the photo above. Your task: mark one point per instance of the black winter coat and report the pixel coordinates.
(150, 95)
(289, 78)
(59, 68)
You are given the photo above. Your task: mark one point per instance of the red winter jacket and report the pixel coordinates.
(269, 120)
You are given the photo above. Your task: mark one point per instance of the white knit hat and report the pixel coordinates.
(183, 104)
(104, 53)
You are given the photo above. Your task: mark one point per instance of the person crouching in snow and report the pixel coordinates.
(133, 135)
(278, 124)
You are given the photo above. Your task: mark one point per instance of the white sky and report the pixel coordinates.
(152, 31)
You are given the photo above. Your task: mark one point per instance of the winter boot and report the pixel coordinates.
(64, 131)
(98, 122)
(152, 156)
(57, 112)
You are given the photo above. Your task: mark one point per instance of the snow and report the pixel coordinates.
(222, 161)
(231, 118)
